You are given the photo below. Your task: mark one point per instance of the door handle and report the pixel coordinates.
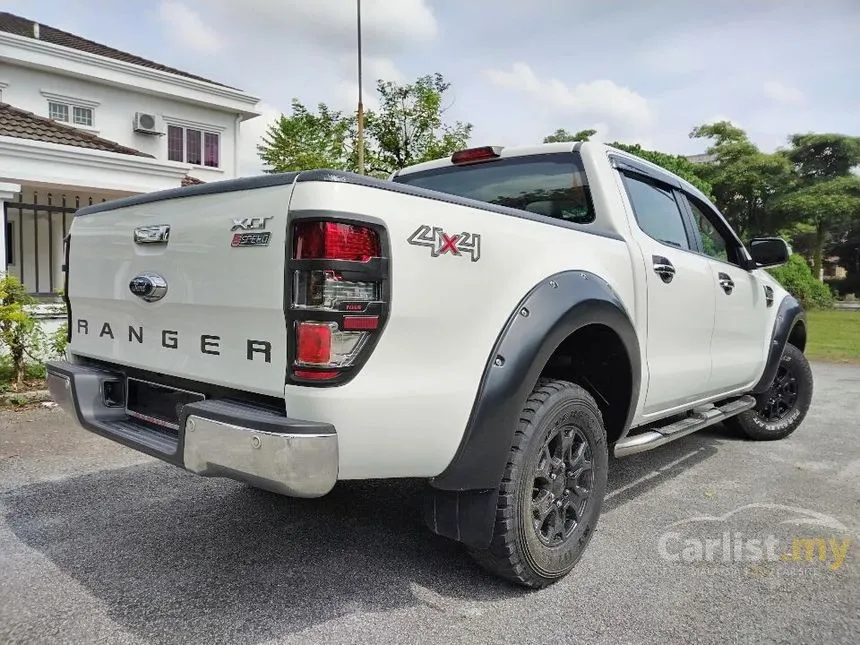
(726, 283)
(663, 267)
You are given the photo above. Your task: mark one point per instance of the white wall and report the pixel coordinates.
(112, 117)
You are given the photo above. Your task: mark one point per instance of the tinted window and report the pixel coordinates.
(657, 212)
(552, 185)
(713, 242)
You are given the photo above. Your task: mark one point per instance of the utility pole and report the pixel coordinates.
(360, 104)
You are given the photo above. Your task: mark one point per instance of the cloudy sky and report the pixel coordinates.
(636, 71)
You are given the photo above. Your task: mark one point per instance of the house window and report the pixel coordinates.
(83, 116)
(58, 111)
(70, 113)
(194, 146)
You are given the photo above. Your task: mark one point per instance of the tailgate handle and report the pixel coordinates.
(152, 234)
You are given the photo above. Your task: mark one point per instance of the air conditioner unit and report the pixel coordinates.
(147, 123)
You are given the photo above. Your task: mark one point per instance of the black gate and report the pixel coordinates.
(34, 239)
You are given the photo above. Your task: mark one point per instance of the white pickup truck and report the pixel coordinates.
(497, 322)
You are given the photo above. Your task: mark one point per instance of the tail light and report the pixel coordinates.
(339, 298)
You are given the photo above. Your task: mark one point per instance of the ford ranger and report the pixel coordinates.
(498, 323)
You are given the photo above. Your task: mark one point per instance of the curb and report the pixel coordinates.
(33, 396)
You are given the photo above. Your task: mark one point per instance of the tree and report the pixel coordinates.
(408, 128)
(828, 206)
(561, 135)
(305, 141)
(826, 196)
(745, 180)
(19, 331)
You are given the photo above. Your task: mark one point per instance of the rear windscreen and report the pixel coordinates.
(553, 185)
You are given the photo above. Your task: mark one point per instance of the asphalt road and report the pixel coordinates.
(101, 544)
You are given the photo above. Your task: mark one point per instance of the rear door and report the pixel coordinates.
(216, 311)
(680, 292)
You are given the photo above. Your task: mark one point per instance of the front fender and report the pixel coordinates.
(789, 315)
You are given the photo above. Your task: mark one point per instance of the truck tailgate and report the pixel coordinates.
(221, 318)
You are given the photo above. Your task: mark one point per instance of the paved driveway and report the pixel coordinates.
(100, 544)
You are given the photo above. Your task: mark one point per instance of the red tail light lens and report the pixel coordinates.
(334, 241)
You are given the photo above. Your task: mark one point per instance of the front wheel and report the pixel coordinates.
(784, 406)
(552, 489)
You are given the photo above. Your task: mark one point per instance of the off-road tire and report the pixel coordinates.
(793, 387)
(519, 552)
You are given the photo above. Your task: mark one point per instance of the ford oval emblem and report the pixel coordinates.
(148, 286)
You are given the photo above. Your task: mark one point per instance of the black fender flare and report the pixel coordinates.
(788, 316)
(463, 497)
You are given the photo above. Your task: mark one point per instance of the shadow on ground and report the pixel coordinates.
(160, 547)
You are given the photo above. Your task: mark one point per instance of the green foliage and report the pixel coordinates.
(826, 196)
(745, 180)
(406, 129)
(20, 334)
(306, 140)
(677, 164)
(561, 135)
(823, 156)
(59, 340)
(796, 277)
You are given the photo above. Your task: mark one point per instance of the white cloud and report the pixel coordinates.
(373, 69)
(386, 25)
(620, 107)
(782, 93)
(187, 29)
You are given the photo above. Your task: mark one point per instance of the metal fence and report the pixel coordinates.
(34, 238)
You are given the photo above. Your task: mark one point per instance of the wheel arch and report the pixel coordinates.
(789, 327)
(567, 311)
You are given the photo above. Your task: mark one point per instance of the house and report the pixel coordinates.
(82, 122)
(702, 158)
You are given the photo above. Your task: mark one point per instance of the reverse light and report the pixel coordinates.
(472, 155)
(324, 289)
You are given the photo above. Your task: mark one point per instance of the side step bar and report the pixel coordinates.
(700, 418)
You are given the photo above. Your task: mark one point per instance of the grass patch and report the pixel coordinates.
(833, 335)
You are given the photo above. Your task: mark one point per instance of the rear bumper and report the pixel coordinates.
(220, 438)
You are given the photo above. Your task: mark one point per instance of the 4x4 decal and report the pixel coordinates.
(440, 242)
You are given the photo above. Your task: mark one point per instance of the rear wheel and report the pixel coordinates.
(552, 489)
(784, 406)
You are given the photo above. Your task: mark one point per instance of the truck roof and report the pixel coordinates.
(504, 151)
(549, 148)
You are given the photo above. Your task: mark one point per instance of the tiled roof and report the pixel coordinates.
(188, 180)
(25, 27)
(18, 123)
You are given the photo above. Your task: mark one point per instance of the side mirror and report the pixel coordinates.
(769, 251)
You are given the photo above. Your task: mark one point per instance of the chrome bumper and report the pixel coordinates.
(216, 438)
